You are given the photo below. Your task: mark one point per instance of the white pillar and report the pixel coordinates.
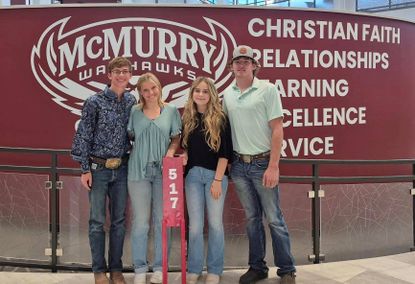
(344, 5)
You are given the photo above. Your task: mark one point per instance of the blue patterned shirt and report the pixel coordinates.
(102, 131)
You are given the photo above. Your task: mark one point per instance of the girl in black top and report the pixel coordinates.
(208, 149)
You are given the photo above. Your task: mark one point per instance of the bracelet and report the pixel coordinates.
(217, 179)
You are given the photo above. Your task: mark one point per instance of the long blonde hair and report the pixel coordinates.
(145, 78)
(213, 118)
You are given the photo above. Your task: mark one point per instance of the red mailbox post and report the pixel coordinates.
(173, 209)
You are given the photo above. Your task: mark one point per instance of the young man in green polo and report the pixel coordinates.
(255, 112)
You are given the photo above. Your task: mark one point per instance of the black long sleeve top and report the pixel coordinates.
(201, 155)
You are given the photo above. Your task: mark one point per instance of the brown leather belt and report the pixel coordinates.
(249, 158)
(110, 163)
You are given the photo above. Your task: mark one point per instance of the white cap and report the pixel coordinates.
(243, 51)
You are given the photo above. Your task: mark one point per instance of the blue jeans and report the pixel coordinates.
(111, 183)
(257, 201)
(197, 184)
(147, 200)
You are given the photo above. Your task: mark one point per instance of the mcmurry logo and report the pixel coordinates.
(71, 64)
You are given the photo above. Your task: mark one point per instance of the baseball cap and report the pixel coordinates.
(243, 51)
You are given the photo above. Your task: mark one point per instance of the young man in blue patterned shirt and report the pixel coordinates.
(101, 146)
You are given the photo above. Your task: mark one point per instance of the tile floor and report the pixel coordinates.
(393, 269)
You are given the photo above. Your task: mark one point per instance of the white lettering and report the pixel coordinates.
(305, 146)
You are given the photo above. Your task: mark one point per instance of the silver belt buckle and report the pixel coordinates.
(246, 158)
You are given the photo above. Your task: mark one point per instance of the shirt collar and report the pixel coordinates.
(255, 85)
(110, 94)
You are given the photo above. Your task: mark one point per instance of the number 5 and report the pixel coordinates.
(172, 174)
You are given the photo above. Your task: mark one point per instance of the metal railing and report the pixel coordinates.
(315, 179)
(379, 7)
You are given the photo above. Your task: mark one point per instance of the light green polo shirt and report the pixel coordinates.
(249, 113)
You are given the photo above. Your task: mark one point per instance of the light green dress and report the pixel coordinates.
(151, 138)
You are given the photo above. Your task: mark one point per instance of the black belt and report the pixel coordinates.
(249, 158)
(110, 163)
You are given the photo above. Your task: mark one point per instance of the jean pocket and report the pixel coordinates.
(261, 163)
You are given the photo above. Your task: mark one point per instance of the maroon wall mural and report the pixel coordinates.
(346, 83)
(346, 80)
